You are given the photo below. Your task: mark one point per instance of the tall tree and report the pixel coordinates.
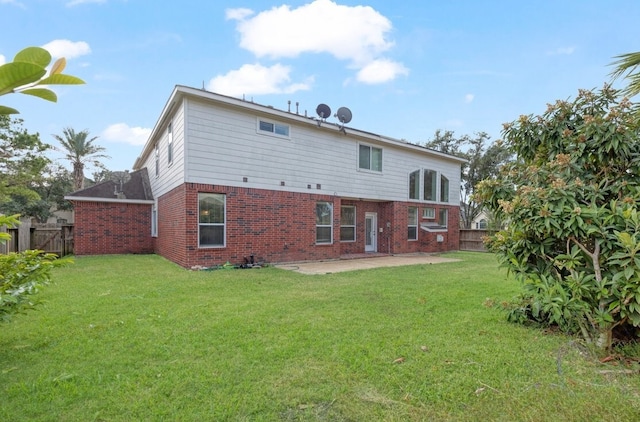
(483, 162)
(22, 160)
(80, 150)
(628, 66)
(571, 199)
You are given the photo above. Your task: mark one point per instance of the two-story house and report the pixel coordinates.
(229, 178)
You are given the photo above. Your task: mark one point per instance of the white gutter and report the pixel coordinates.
(110, 200)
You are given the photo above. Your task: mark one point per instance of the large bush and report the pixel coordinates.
(22, 274)
(570, 200)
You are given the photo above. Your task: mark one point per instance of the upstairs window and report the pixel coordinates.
(429, 185)
(157, 152)
(170, 144)
(273, 128)
(369, 158)
(347, 223)
(444, 189)
(414, 185)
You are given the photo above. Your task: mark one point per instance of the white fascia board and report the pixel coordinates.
(110, 200)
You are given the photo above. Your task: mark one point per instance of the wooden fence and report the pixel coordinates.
(57, 239)
(472, 240)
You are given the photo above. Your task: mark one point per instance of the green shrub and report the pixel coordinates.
(22, 274)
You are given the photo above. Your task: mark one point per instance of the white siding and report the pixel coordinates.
(170, 176)
(224, 147)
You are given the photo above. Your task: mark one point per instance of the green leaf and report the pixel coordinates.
(34, 55)
(8, 110)
(45, 94)
(14, 75)
(60, 79)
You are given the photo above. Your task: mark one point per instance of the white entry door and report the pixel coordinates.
(371, 232)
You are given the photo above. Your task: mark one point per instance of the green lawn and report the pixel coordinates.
(124, 338)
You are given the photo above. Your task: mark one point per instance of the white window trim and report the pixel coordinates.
(412, 225)
(370, 149)
(154, 220)
(274, 123)
(330, 242)
(429, 213)
(157, 159)
(170, 144)
(354, 225)
(224, 224)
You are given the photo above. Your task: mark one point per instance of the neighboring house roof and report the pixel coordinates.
(136, 190)
(180, 92)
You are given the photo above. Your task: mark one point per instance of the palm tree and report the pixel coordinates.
(627, 66)
(79, 150)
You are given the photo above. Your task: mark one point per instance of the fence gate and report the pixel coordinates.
(57, 240)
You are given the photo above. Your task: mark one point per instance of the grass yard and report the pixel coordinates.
(128, 338)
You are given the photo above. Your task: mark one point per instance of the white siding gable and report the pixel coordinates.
(217, 140)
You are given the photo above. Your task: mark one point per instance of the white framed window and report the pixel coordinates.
(482, 224)
(347, 223)
(211, 219)
(324, 223)
(157, 156)
(429, 185)
(154, 220)
(273, 128)
(170, 143)
(369, 158)
(414, 185)
(429, 213)
(444, 189)
(412, 225)
(443, 217)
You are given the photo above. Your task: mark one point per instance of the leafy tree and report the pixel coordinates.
(21, 163)
(79, 150)
(570, 198)
(627, 66)
(51, 189)
(27, 74)
(483, 162)
(22, 160)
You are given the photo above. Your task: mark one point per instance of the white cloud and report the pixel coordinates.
(257, 79)
(382, 70)
(3, 60)
(469, 98)
(79, 2)
(238, 14)
(123, 133)
(67, 49)
(357, 34)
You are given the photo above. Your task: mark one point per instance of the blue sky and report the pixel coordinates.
(404, 68)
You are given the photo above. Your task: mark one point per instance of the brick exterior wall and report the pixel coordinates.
(112, 228)
(280, 227)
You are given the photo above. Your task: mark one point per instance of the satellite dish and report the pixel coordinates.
(323, 111)
(344, 115)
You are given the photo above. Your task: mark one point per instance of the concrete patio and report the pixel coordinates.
(362, 262)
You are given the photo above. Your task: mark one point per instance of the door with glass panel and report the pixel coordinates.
(371, 232)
